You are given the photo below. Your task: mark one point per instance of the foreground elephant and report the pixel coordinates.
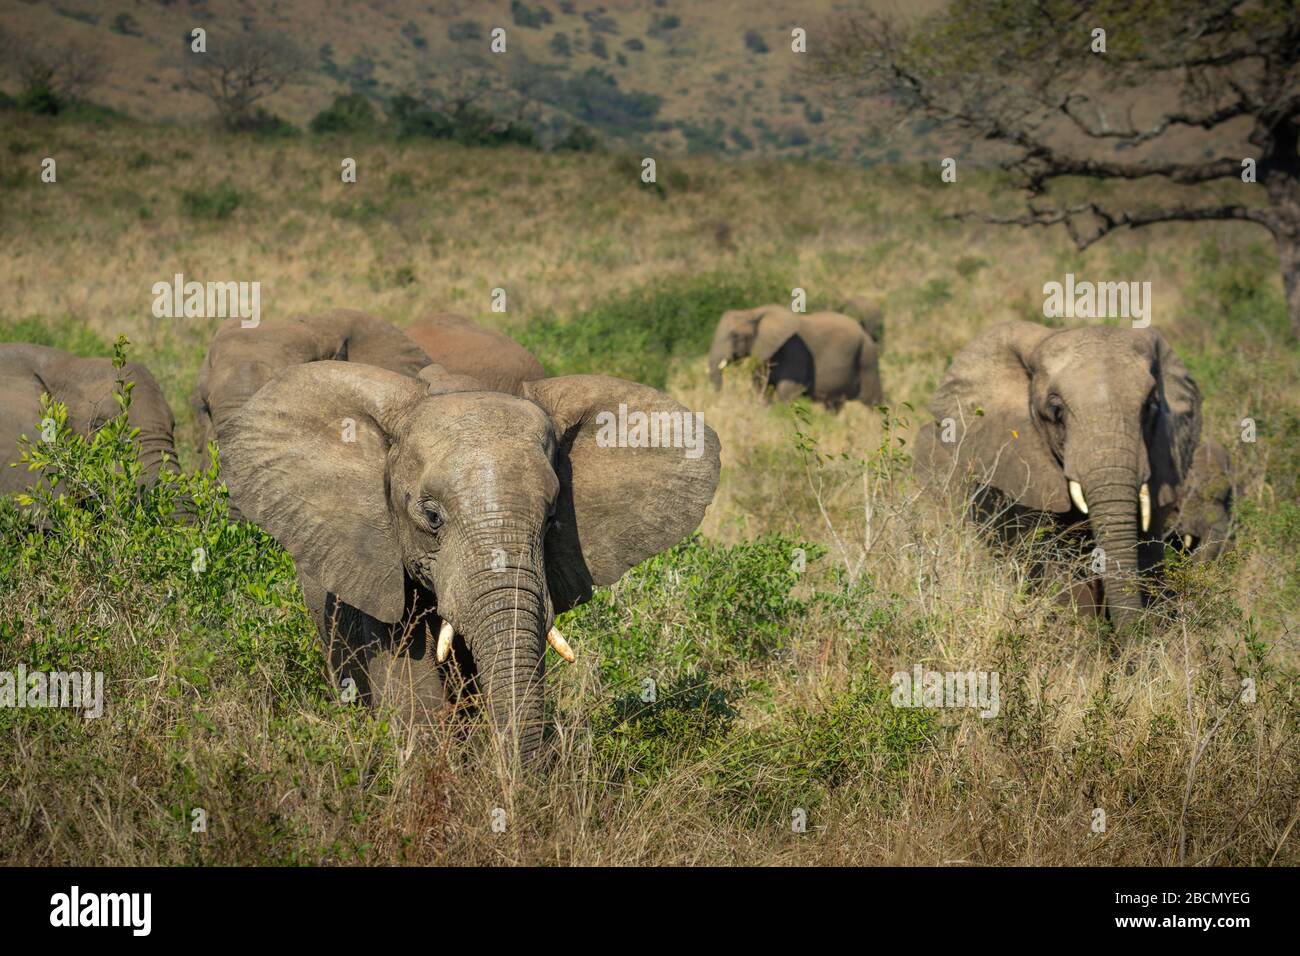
(449, 509)
(241, 360)
(85, 386)
(1097, 424)
(1202, 519)
(463, 347)
(827, 355)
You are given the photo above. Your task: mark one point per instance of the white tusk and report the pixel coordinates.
(1076, 495)
(1187, 541)
(722, 364)
(1144, 505)
(560, 644)
(445, 634)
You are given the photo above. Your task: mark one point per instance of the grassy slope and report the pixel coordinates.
(775, 707)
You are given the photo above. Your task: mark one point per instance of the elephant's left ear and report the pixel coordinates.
(775, 327)
(1179, 428)
(637, 471)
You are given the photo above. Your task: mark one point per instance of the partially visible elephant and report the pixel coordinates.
(452, 510)
(241, 360)
(869, 315)
(1202, 521)
(827, 355)
(463, 347)
(85, 386)
(1095, 426)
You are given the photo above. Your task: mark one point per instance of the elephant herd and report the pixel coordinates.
(444, 500)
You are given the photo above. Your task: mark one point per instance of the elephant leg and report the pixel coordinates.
(402, 665)
(792, 370)
(787, 390)
(343, 635)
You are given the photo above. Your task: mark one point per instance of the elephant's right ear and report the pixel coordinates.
(776, 326)
(306, 460)
(982, 405)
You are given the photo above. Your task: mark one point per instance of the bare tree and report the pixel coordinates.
(239, 70)
(64, 72)
(1057, 99)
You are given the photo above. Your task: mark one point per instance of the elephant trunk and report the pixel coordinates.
(1112, 497)
(717, 355)
(505, 632)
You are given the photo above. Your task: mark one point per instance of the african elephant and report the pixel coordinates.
(241, 360)
(85, 386)
(828, 355)
(1092, 424)
(1202, 519)
(463, 347)
(416, 506)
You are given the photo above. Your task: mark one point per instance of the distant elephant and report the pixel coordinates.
(828, 355)
(241, 360)
(463, 347)
(450, 509)
(1093, 424)
(85, 386)
(1202, 520)
(869, 315)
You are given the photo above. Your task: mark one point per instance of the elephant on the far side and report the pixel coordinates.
(85, 386)
(241, 360)
(1202, 520)
(463, 347)
(827, 355)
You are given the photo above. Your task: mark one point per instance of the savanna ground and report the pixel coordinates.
(772, 684)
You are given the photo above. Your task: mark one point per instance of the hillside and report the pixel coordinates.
(661, 74)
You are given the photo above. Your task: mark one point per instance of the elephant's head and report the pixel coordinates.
(1097, 421)
(1202, 523)
(509, 510)
(743, 332)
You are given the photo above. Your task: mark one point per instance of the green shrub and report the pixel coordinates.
(215, 203)
(579, 140)
(349, 113)
(637, 334)
(65, 332)
(736, 603)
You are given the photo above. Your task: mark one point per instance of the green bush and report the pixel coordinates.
(736, 603)
(579, 140)
(215, 203)
(228, 589)
(638, 334)
(349, 113)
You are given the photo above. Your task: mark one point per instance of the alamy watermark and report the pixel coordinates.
(922, 688)
(1098, 300)
(179, 299)
(75, 690)
(651, 430)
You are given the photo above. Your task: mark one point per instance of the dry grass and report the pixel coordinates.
(1150, 732)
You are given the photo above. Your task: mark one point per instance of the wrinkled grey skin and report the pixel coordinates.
(455, 503)
(1202, 519)
(827, 355)
(85, 386)
(463, 347)
(1110, 408)
(240, 360)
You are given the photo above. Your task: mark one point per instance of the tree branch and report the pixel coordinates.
(1105, 222)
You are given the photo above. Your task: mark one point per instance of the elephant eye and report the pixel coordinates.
(1054, 411)
(432, 515)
